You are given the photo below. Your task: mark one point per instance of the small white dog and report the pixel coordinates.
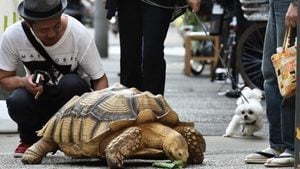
(248, 116)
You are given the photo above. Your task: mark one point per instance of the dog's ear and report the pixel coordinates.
(257, 93)
(247, 88)
(246, 92)
(252, 93)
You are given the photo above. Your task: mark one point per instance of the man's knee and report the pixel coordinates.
(72, 84)
(17, 102)
(72, 80)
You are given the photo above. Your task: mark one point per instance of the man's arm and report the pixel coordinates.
(100, 83)
(9, 82)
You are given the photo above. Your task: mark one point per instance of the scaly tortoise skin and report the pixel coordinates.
(118, 123)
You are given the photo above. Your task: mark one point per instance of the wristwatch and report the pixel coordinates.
(294, 2)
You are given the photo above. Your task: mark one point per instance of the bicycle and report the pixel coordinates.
(244, 57)
(250, 47)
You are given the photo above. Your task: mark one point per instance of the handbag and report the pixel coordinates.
(284, 63)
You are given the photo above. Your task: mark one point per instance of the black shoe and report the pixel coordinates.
(233, 93)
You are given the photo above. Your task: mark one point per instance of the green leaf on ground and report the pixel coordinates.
(169, 165)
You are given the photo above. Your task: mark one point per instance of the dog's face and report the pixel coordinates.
(250, 111)
(248, 116)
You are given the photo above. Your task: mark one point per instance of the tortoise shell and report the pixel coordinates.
(83, 123)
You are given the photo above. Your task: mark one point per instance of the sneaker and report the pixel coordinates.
(261, 157)
(19, 151)
(285, 159)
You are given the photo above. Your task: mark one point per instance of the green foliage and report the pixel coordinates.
(169, 165)
(191, 18)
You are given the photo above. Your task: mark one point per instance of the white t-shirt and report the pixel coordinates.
(75, 49)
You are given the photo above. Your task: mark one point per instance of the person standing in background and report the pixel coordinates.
(280, 111)
(143, 26)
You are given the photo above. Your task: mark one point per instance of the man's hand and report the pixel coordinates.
(194, 4)
(32, 87)
(291, 16)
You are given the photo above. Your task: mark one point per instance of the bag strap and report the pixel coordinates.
(287, 36)
(38, 46)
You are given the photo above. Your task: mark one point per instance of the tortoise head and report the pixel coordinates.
(176, 148)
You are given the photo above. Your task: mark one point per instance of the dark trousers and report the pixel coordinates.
(31, 114)
(143, 30)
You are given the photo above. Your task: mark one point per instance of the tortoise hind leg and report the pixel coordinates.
(196, 143)
(123, 146)
(35, 153)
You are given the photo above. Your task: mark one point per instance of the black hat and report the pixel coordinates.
(36, 10)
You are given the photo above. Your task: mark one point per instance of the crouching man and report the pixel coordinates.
(72, 63)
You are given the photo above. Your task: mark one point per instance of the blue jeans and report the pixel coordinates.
(31, 114)
(280, 111)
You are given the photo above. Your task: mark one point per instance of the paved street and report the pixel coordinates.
(193, 98)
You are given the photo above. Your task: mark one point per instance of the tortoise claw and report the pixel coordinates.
(30, 157)
(123, 146)
(35, 153)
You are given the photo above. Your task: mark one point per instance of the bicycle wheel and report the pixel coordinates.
(249, 55)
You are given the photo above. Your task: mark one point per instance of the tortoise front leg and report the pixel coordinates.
(35, 153)
(196, 143)
(123, 146)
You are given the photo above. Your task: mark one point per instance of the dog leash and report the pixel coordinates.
(228, 73)
(149, 2)
(203, 26)
(205, 30)
(244, 97)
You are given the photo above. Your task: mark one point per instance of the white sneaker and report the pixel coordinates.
(285, 159)
(261, 157)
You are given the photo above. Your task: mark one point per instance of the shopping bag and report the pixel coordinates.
(284, 63)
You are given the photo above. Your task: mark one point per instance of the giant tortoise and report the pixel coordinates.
(118, 123)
